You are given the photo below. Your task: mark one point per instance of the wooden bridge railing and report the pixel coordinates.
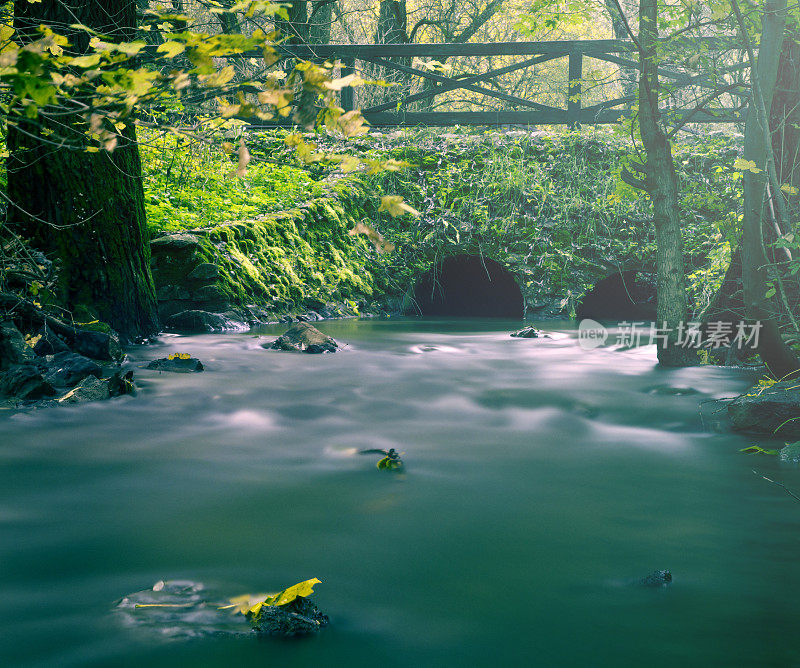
(523, 111)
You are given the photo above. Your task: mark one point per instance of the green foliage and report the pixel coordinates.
(189, 184)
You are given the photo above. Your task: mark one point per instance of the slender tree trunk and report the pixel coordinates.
(296, 28)
(87, 208)
(662, 185)
(779, 358)
(620, 30)
(320, 22)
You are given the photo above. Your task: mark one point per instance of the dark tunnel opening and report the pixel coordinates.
(468, 285)
(623, 296)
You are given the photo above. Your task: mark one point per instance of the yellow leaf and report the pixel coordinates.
(251, 605)
(180, 356)
(746, 166)
(243, 604)
(244, 159)
(171, 49)
(86, 61)
(350, 80)
(789, 189)
(305, 588)
(381, 245)
(395, 206)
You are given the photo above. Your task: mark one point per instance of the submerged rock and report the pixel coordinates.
(774, 410)
(180, 609)
(791, 453)
(298, 618)
(529, 333)
(177, 364)
(304, 338)
(656, 579)
(195, 321)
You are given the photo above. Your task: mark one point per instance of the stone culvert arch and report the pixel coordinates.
(468, 285)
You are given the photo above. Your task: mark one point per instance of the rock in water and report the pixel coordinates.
(656, 579)
(98, 389)
(298, 618)
(528, 333)
(200, 321)
(303, 338)
(774, 410)
(177, 364)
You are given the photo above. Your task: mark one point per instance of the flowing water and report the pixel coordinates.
(540, 479)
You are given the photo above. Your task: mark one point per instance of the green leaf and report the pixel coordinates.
(756, 450)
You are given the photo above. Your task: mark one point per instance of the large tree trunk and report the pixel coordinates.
(87, 208)
(779, 358)
(662, 185)
(785, 118)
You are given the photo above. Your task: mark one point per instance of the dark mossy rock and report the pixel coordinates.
(774, 410)
(177, 364)
(49, 343)
(175, 242)
(97, 345)
(298, 618)
(197, 322)
(528, 333)
(66, 369)
(25, 381)
(656, 579)
(304, 338)
(205, 271)
(99, 389)
(13, 349)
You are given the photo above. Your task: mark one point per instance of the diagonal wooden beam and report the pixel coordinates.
(454, 84)
(388, 64)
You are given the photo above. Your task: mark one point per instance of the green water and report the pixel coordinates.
(540, 478)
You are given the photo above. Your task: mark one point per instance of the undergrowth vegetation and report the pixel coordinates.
(192, 184)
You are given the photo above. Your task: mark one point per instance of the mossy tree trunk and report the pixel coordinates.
(662, 185)
(85, 208)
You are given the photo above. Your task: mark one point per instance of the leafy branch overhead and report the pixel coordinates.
(107, 85)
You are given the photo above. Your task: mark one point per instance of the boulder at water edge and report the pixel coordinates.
(773, 410)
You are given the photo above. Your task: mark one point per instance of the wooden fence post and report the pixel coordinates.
(575, 89)
(348, 67)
